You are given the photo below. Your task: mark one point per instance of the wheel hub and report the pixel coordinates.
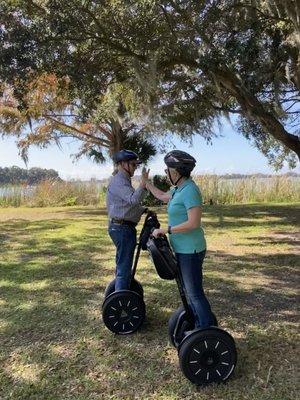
(209, 359)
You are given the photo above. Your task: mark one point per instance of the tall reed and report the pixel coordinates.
(214, 190)
(249, 190)
(52, 193)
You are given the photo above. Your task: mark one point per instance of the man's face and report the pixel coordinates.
(130, 166)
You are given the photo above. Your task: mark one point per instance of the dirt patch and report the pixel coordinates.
(292, 238)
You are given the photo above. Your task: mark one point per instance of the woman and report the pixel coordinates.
(185, 232)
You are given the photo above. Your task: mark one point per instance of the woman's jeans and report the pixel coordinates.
(124, 238)
(190, 266)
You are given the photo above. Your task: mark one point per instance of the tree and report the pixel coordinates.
(187, 62)
(53, 113)
(16, 175)
(41, 107)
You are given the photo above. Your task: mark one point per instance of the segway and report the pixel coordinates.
(205, 355)
(123, 312)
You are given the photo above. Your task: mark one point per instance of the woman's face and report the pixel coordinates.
(173, 174)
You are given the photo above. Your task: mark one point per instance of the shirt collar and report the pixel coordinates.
(124, 175)
(185, 183)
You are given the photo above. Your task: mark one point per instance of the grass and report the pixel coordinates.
(55, 264)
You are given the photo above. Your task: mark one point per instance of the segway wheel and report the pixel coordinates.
(123, 312)
(135, 287)
(185, 325)
(207, 356)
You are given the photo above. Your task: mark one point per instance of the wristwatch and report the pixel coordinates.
(169, 230)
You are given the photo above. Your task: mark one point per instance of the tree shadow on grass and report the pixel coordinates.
(98, 362)
(277, 238)
(55, 325)
(82, 212)
(240, 216)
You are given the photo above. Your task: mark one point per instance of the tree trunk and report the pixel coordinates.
(118, 137)
(252, 107)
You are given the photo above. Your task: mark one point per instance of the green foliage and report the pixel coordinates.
(167, 67)
(276, 153)
(144, 148)
(16, 175)
(162, 183)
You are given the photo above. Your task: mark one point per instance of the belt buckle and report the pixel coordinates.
(117, 221)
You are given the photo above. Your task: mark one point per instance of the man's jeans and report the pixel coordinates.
(124, 238)
(191, 277)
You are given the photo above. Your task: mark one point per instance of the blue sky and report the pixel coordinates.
(231, 153)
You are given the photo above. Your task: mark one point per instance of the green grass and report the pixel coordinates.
(55, 264)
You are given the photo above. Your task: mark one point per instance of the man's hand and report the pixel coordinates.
(145, 177)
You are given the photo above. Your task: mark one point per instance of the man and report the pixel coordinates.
(124, 211)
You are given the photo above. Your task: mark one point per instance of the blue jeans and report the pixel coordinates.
(190, 266)
(124, 238)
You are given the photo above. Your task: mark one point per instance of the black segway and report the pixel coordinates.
(205, 355)
(124, 311)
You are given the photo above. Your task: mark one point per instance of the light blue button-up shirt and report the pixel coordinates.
(122, 200)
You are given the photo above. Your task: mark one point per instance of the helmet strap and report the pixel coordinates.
(175, 184)
(171, 180)
(128, 172)
(169, 176)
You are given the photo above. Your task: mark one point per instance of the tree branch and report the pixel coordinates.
(252, 107)
(94, 139)
(108, 40)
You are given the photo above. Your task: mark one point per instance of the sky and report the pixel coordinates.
(230, 153)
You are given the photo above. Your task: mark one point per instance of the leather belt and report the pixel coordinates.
(123, 222)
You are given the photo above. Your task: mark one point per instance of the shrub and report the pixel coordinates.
(162, 183)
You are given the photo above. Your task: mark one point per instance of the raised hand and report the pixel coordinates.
(145, 176)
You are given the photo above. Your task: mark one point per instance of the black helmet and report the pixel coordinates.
(126, 155)
(180, 160)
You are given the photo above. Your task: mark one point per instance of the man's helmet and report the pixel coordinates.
(126, 155)
(180, 160)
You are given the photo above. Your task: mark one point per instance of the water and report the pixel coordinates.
(7, 191)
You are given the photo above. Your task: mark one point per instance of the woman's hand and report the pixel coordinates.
(159, 232)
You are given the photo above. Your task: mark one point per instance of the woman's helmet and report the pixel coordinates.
(180, 160)
(126, 155)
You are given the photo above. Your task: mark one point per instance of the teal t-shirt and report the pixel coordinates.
(186, 196)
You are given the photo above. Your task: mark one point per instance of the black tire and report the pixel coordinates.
(207, 356)
(123, 312)
(185, 326)
(135, 287)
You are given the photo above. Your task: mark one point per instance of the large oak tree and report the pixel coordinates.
(187, 62)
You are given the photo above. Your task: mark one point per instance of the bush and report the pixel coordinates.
(162, 183)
